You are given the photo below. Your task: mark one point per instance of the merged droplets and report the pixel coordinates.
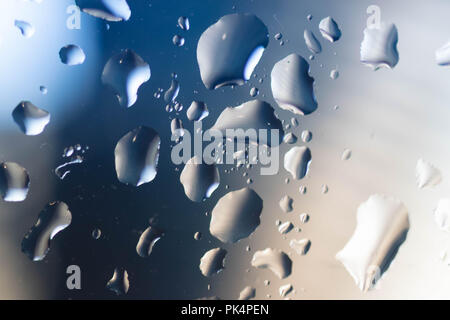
(26, 29)
(292, 86)
(14, 182)
(30, 119)
(212, 261)
(236, 215)
(147, 241)
(229, 50)
(54, 218)
(297, 161)
(199, 179)
(247, 293)
(110, 10)
(125, 72)
(72, 55)
(300, 246)
(379, 46)
(427, 175)
(311, 42)
(119, 283)
(381, 226)
(329, 29)
(136, 156)
(275, 260)
(197, 111)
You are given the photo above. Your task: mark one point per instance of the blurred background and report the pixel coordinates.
(388, 119)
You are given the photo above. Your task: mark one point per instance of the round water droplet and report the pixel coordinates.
(72, 55)
(178, 40)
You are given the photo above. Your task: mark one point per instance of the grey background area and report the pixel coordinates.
(388, 118)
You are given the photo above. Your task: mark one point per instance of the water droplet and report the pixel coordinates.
(178, 40)
(197, 111)
(183, 23)
(427, 175)
(292, 87)
(64, 169)
(199, 179)
(172, 93)
(311, 42)
(346, 155)
(302, 189)
(329, 29)
(324, 189)
(30, 119)
(136, 156)
(212, 262)
(96, 233)
(147, 241)
(176, 127)
(379, 46)
(14, 182)
(275, 260)
(443, 55)
(290, 138)
(442, 214)
(285, 227)
(110, 10)
(381, 227)
(125, 72)
(309, 17)
(197, 235)
(334, 74)
(254, 92)
(247, 293)
(72, 55)
(286, 204)
(229, 50)
(300, 246)
(119, 283)
(26, 29)
(306, 136)
(284, 290)
(304, 217)
(43, 89)
(297, 161)
(236, 215)
(54, 218)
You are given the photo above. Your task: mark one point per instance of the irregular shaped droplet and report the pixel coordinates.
(442, 214)
(311, 42)
(14, 182)
(119, 283)
(199, 179)
(285, 227)
(72, 55)
(147, 241)
(26, 29)
(110, 10)
(30, 119)
(247, 293)
(229, 50)
(172, 93)
(427, 175)
(212, 261)
(136, 156)
(286, 204)
(300, 246)
(275, 260)
(176, 127)
(381, 227)
(183, 23)
(379, 46)
(125, 72)
(236, 215)
(290, 138)
(54, 218)
(442, 55)
(297, 161)
(254, 114)
(197, 111)
(329, 29)
(292, 86)
(284, 290)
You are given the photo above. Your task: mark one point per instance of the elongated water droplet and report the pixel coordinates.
(30, 119)
(236, 215)
(125, 72)
(14, 182)
(379, 46)
(247, 293)
(183, 23)
(212, 262)
(119, 283)
(304, 217)
(26, 29)
(292, 87)
(297, 161)
(110, 10)
(346, 154)
(427, 175)
(147, 240)
(136, 156)
(275, 260)
(172, 93)
(176, 127)
(229, 50)
(72, 55)
(285, 227)
(197, 111)
(329, 29)
(311, 42)
(54, 218)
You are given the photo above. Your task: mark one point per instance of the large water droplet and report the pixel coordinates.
(54, 218)
(212, 261)
(30, 119)
(72, 55)
(236, 215)
(379, 46)
(297, 161)
(292, 87)
(110, 10)
(199, 179)
(119, 282)
(197, 111)
(329, 29)
(125, 72)
(147, 240)
(381, 227)
(136, 156)
(229, 50)
(427, 175)
(14, 182)
(275, 260)
(311, 42)
(26, 29)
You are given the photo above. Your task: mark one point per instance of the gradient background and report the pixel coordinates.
(389, 119)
